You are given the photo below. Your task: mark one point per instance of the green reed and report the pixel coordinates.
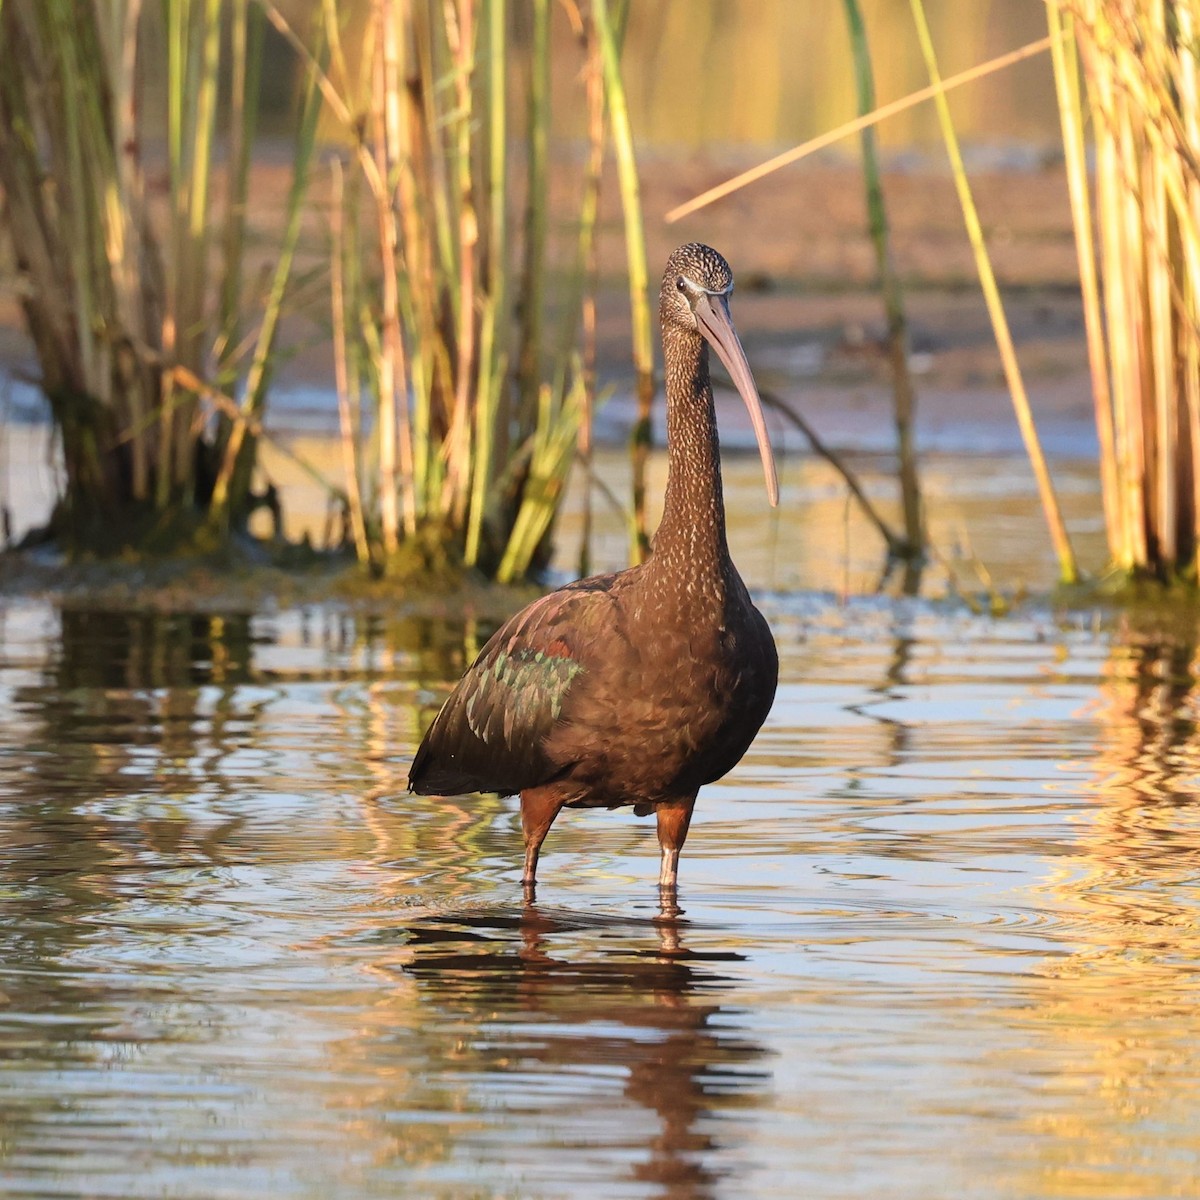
(607, 31)
(471, 414)
(125, 303)
(459, 416)
(903, 393)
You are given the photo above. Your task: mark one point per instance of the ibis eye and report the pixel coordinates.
(680, 285)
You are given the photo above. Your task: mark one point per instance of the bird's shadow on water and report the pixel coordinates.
(561, 995)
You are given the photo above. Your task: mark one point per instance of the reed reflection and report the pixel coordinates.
(116, 725)
(1142, 842)
(1121, 1006)
(153, 738)
(898, 738)
(143, 753)
(114, 706)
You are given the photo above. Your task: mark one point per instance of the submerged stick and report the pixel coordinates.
(896, 544)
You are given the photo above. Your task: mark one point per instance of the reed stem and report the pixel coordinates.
(833, 136)
(1070, 107)
(1067, 567)
(904, 394)
(491, 368)
(639, 284)
(347, 400)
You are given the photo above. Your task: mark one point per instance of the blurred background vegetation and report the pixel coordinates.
(436, 210)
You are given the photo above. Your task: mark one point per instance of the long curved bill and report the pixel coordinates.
(712, 315)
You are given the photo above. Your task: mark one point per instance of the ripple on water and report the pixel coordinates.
(937, 932)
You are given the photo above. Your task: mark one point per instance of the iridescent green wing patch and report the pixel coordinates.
(527, 687)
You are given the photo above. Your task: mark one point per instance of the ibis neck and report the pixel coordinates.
(691, 536)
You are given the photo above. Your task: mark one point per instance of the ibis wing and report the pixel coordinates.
(490, 734)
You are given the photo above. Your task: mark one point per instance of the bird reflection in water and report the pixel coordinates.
(571, 997)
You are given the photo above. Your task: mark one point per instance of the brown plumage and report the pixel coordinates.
(640, 687)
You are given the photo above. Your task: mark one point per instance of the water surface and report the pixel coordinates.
(938, 933)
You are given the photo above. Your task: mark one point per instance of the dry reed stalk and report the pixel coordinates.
(347, 392)
(833, 136)
(488, 457)
(1067, 566)
(586, 271)
(390, 365)
(1189, 95)
(1139, 64)
(1067, 84)
(460, 30)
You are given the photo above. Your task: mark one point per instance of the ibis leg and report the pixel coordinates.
(673, 822)
(539, 807)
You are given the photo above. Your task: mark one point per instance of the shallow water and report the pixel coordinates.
(938, 933)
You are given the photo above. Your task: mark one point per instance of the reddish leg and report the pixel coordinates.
(673, 822)
(539, 807)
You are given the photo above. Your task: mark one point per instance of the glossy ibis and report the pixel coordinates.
(636, 688)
